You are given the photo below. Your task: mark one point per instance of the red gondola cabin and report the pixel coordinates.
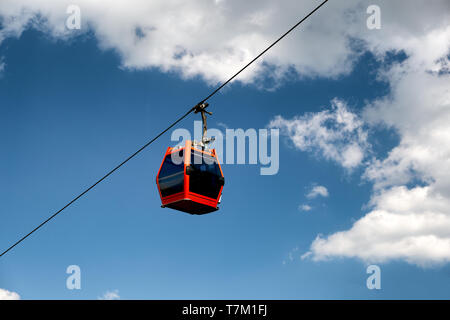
(190, 179)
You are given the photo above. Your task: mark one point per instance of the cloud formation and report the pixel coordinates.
(336, 134)
(409, 211)
(405, 224)
(317, 191)
(304, 207)
(210, 39)
(213, 39)
(8, 295)
(110, 295)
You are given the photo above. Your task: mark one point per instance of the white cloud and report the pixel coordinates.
(211, 39)
(317, 191)
(409, 216)
(304, 207)
(405, 224)
(336, 134)
(291, 255)
(8, 295)
(110, 295)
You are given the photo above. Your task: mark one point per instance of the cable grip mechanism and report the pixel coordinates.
(201, 108)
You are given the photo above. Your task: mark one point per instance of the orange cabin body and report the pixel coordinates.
(190, 179)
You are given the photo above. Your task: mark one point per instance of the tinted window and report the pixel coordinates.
(205, 163)
(171, 176)
(204, 179)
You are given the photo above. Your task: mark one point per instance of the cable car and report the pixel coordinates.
(190, 177)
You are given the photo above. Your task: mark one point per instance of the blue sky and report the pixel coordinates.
(70, 111)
